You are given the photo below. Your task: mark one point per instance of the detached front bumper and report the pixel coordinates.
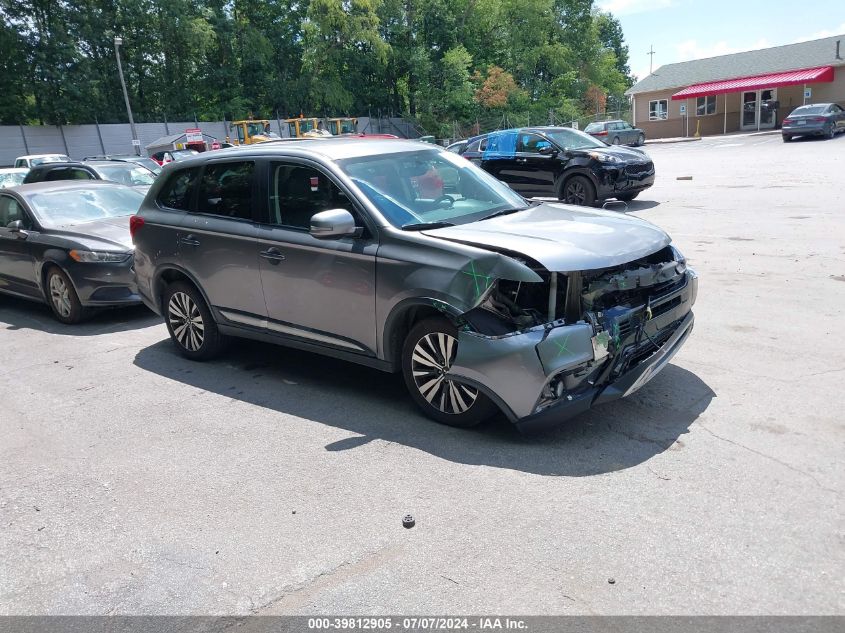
(543, 376)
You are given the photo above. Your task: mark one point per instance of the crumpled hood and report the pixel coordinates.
(110, 234)
(563, 237)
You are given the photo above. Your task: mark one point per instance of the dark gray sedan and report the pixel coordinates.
(68, 244)
(817, 119)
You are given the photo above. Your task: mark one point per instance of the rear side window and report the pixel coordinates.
(176, 192)
(226, 189)
(68, 174)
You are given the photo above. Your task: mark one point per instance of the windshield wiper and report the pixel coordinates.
(503, 212)
(422, 226)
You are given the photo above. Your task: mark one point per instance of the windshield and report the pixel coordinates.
(77, 206)
(255, 129)
(810, 109)
(55, 158)
(12, 179)
(573, 139)
(429, 186)
(126, 174)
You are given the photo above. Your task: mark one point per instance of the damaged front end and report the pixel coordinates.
(547, 350)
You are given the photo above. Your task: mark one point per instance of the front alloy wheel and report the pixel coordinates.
(62, 297)
(579, 190)
(427, 357)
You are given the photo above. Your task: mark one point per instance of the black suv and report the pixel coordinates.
(129, 174)
(562, 163)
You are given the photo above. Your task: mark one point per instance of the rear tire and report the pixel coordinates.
(428, 353)
(62, 297)
(831, 131)
(641, 140)
(616, 140)
(190, 323)
(786, 138)
(578, 190)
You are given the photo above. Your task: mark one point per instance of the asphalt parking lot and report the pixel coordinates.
(274, 482)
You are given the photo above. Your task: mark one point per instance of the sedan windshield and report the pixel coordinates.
(427, 187)
(573, 139)
(126, 174)
(77, 206)
(12, 178)
(810, 109)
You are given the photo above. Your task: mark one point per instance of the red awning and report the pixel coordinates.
(756, 82)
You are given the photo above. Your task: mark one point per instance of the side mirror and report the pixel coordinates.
(16, 226)
(332, 224)
(548, 150)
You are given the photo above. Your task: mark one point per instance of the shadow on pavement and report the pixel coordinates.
(374, 406)
(20, 314)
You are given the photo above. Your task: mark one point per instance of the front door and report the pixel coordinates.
(319, 290)
(754, 115)
(17, 266)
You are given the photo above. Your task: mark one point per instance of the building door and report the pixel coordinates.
(754, 115)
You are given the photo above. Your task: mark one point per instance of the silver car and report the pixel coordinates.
(405, 257)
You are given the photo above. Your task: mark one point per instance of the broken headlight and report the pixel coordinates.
(681, 267)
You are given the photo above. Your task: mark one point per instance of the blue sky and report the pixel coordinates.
(681, 30)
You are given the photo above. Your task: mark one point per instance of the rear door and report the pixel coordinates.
(216, 241)
(17, 265)
(319, 290)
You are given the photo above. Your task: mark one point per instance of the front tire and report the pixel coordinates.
(62, 297)
(190, 323)
(578, 190)
(427, 355)
(786, 138)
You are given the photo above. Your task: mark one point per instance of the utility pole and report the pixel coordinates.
(650, 57)
(136, 144)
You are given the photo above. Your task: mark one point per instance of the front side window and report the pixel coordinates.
(226, 189)
(531, 143)
(11, 211)
(705, 105)
(297, 192)
(429, 186)
(176, 192)
(658, 110)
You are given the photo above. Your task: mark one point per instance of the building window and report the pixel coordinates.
(705, 105)
(658, 110)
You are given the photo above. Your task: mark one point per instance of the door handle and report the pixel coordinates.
(274, 255)
(190, 240)
(521, 160)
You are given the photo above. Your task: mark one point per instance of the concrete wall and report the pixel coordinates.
(790, 97)
(79, 141)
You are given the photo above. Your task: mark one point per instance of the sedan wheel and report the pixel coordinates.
(831, 130)
(189, 321)
(641, 140)
(62, 296)
(427, 357)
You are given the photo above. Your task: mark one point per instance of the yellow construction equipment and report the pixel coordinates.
(297, 128)
(251, 131)
(343, 125)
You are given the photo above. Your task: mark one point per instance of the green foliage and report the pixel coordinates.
(449, 63)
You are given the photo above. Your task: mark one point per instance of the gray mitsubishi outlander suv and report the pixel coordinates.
(402, 256)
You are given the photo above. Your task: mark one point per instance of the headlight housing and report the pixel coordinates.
(98, 257)
(680, 259)
(604, 158)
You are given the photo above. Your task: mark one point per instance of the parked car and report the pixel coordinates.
(67, 243)
(402, 256)
(172, 155)
(120, 172)
(616, 133)
(457, 147)
(12, 177)
(562, 163)
(817, 119)
(36, 159)
(144, 161)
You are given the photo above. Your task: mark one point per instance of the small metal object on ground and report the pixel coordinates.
(684, 178)
(408, 521)
(611, 581)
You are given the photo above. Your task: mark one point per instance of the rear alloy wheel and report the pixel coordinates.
(579, 190)
(427, 357)
(641, 140)
(62, 297)
(831, 130)
(189, 321)
(616, 140)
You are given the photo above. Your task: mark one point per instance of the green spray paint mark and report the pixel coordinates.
(561, 347)
(476, 280)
